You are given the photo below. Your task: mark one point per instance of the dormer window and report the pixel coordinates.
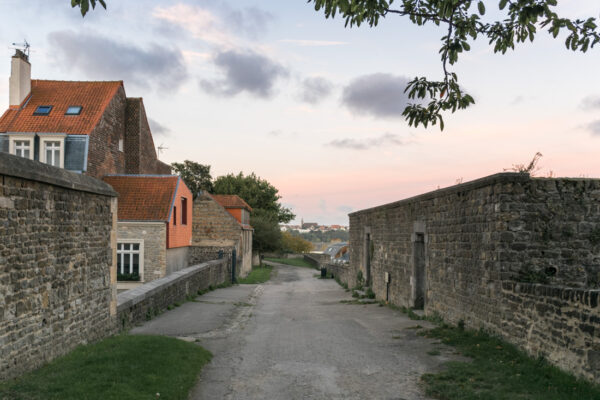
(74, 110)
(42, 110)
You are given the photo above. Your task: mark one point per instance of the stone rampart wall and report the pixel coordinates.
(57, 277)
(146, 301)
(471, 239)
(563, 324)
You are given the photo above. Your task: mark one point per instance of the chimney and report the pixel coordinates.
(20, 79)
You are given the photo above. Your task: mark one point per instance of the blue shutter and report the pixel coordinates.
(3, 143)
(76, 149)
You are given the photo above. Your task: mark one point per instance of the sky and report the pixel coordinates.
(274, 88)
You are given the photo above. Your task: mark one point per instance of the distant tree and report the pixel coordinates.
(295, 244)
(257, 192)
(267, 236)
(517, 21)
(267, 212)
(84, 5)
(196, 176)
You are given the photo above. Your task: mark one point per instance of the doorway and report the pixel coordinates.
(368, 253)
(419, 270)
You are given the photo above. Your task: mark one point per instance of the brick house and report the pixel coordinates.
(154, 227)
(86, 127)
(222, 224)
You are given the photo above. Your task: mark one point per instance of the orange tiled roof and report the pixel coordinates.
(144, 197)
(94, 97)
(231, 201)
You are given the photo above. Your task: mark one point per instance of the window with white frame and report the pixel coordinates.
(52, 150)
(129, 261)
(22, 148)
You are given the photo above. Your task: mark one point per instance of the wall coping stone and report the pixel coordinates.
(19, 167)
(134, 296)
(502, 177)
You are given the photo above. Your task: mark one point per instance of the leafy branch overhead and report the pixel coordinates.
(84, 5)
(462, 20)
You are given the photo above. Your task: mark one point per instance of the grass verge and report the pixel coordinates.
(121, 367)
(499, 371)
(257, 275)
(296, 262)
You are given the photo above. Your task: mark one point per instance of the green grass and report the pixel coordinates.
(499, 371)
(257, 275)
(121, 368)
(296, 262)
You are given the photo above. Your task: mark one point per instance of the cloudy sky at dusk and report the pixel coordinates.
(274, 88)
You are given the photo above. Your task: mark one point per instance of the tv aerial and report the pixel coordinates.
(24, 47)
(161, 148)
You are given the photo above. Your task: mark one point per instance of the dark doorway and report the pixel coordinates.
(419, 270)
(368, 261)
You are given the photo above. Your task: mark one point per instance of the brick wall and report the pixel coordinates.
(477, 236)
(57, 244)
(141, 152)
(144, 302)
(104, 156)
(154, 236)
(178, 234)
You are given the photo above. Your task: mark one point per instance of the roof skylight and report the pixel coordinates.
(42, 110)
(73, 110)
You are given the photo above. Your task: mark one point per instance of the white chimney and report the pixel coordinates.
(20, 79)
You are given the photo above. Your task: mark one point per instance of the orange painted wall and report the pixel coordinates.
(180, 235)
(236, 213)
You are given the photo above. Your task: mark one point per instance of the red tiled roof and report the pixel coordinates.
(144, 197)
(231, 201)
(94, 97)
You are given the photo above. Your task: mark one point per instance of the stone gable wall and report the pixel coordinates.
(154, 235)
(478, 236)
(214, 229)
(57, 245)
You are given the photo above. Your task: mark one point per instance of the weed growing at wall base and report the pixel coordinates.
(258, 275)
(121, 367)
(499, 371)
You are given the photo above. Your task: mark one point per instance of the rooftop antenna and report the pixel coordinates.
(24, 47)
(161, 148)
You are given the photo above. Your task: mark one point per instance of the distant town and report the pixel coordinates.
(321, 237)
(306, 227)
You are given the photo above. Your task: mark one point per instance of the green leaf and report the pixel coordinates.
(481, 8)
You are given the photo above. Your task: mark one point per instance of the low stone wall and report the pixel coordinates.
(146, 301)
(340, 272)
(57, 272)
(316, 259)
(200, 254)
(563, 324)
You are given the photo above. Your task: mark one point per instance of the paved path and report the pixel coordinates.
(291, 338)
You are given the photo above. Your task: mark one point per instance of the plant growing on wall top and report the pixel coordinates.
(531, 168)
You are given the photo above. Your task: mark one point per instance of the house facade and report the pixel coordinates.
(222, 225)
(85, 127)
(154, 228)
